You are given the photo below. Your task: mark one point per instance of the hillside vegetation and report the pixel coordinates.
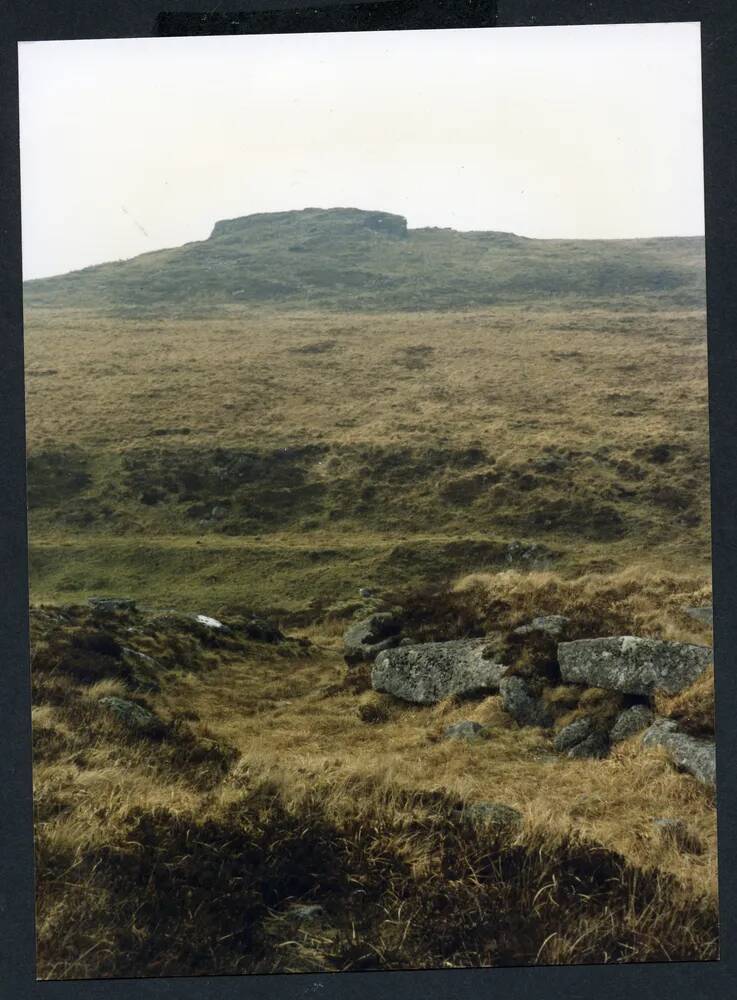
(345, 258)
(287, 460)
(468, 429)
(281, 817)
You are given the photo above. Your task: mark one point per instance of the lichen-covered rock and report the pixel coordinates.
(368, 637)
(697, 757)
(596, 745)
(554, 626)
(261, 630)
(629, 722)
(573, 733)
(430, 671)
(521, 704)
(632, 665)
(465, 730)
(144, 658)
(582, 739)
(704, 614)
(111, 603)
(133, 716)
(531, 556)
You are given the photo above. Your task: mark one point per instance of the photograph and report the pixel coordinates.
(369, 515)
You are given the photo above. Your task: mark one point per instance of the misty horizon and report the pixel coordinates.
(132, 145)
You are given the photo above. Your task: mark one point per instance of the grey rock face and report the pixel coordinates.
(581, 739)
(532, 556)
(631, 664)
(465, 730)
(134, 716)
(572, 734)
(697, 757)
(261, 630)
(704, 614)
(430, 671)
(595, 745)
(144, 658)
(366, 638)
(630, 721)
(553, 626)
(493, 814)
(524, 707)
(112, 603)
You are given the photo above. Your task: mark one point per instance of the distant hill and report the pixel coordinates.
(347, 258)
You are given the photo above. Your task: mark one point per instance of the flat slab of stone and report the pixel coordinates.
(632, 665)
(430, 671)
(697, 757)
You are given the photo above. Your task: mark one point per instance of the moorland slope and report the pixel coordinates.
(349, 259)
(304, 420)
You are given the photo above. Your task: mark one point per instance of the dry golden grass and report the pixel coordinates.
(267, 735)
(149, 851)
(307, 739)
(637, 600)
(106, 799)
(598, 391)
(693, 708)
(512, 379)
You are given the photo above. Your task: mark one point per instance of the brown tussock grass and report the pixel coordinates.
(181, 855)
(637, 600)
(384, 793)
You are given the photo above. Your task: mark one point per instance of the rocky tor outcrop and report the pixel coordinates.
(573, 733)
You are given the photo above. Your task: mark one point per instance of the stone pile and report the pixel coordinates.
(625, 673)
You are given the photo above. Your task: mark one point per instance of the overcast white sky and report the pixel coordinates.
(130, 145)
